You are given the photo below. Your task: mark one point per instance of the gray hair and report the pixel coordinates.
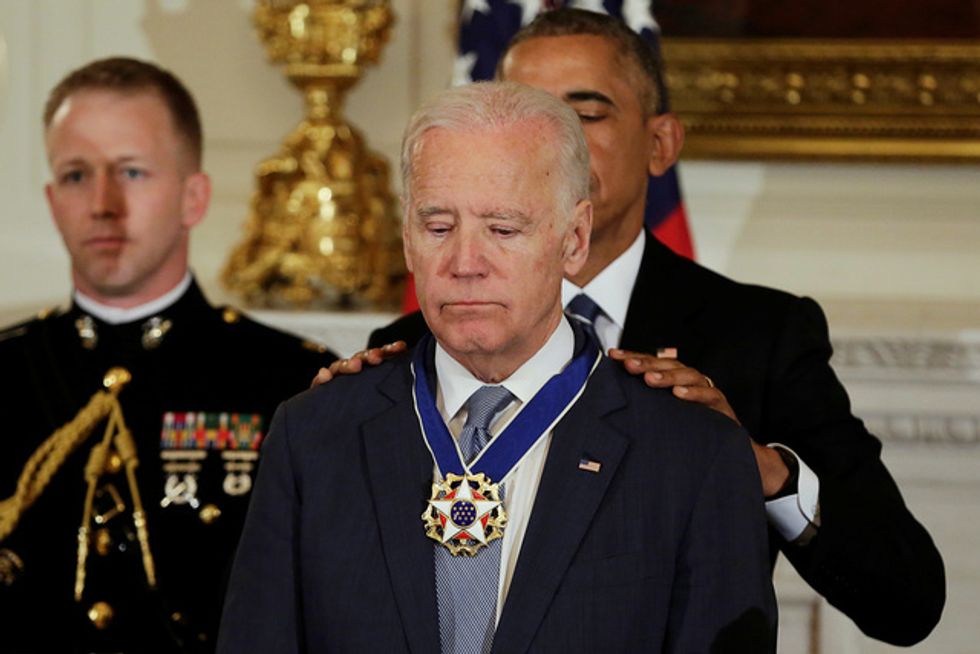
(485, 106)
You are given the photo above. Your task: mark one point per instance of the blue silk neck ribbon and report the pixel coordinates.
(534, 420)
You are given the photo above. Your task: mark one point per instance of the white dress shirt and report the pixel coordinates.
(118, 316)
(612, 289)
(455, 386)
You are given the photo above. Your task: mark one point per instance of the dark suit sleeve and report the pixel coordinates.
(262, 608)
(870, 558)
(723, 600)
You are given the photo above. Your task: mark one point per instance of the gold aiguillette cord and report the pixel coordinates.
(116, 433)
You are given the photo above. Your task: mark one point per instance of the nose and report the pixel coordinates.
(469, 257)
(107, 199)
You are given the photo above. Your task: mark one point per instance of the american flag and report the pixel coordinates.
(485, 29)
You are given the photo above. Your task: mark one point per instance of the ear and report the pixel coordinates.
(197, 197)
(575, 248)
(49, 194)
(666, 134)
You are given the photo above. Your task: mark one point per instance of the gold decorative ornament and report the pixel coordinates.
(11, 566)
(85, 327)
(154, 330)
(323, 226)
(116, 378)
(110, 501)
(113, 463)
(116, 435)
(103, 542)
(840, 99)
(48, 458)
(209, 513)
(230, 315)
(100, 614)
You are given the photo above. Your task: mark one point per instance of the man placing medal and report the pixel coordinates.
(565, 506)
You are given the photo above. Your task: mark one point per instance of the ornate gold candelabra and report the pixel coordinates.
(323, 227)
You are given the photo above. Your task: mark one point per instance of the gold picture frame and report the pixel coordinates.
(839, 99)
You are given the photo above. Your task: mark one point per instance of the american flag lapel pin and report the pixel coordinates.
(589, 465)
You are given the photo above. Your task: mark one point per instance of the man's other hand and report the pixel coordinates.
(687, 383)
(354, 364)
(690, 384)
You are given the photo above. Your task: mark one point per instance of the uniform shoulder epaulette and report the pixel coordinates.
(313, 346)
(13, 332)
(50, 312)
(230, 315)
(21, 328)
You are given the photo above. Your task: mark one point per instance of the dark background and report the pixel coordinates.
(874, 19)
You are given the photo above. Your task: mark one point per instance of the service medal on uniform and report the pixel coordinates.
(465, 510)
(187, 438)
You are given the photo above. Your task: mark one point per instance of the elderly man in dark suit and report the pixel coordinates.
(758, 355)
(505, 487)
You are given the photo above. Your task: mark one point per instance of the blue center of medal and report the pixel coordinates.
(462, 513)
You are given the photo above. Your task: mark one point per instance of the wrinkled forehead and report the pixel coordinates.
(529, 144)
(485, 172)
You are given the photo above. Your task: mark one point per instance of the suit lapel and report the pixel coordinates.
(566, 502)
(662, 310)
(400, 477)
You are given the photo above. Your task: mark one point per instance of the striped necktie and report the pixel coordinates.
(466, 587)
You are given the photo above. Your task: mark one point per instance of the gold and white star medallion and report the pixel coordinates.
(464, 513)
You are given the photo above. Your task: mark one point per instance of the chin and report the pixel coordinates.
(469, 338)
(114, 286)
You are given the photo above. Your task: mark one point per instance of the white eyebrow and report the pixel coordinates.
(514, 215)
(428, 211)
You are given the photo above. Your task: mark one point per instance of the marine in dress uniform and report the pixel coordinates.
(205, 382)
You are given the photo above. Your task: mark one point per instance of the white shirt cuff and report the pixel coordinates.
(792, 514)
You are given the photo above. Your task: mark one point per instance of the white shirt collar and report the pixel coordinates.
(612, 287)
(118, 316)
(457, 384)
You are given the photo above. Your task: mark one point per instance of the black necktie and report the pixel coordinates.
(586, 311)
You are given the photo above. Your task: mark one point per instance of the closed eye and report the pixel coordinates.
(438, 228)
(504, 231)
(590, 105)
(590, 118)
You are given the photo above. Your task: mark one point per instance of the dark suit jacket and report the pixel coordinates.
(769, 352)
(664, 549)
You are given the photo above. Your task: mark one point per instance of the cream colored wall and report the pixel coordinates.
(852, 236)
(247, 106)
(890, 251)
